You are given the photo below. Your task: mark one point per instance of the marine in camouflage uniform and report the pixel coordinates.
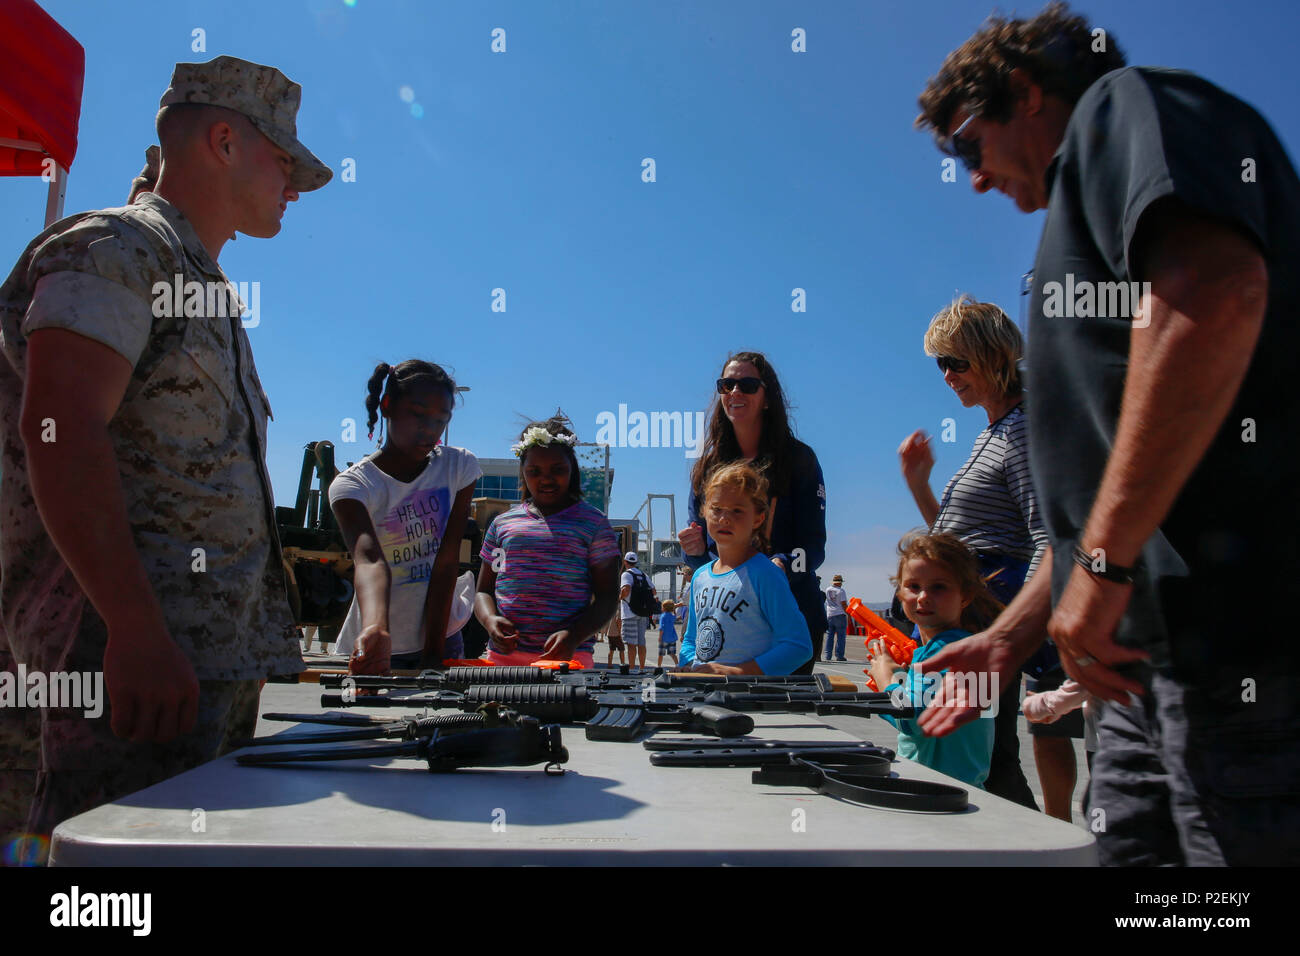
(190, 443)
(20, 759)
(20, 728)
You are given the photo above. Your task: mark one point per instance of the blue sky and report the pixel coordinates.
(523, 171)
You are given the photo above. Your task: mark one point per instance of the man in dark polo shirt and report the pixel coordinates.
(1162, 417)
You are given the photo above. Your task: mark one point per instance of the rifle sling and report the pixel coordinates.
(763, 757)
(857, 778)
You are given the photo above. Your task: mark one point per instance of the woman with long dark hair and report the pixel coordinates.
(750, 421)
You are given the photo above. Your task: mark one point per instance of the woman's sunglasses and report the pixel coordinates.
(948, 363)
(748, 385)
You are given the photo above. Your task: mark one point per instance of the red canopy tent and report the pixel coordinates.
(42, 69)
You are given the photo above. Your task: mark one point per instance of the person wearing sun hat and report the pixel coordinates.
(141, 543)
(837, 618)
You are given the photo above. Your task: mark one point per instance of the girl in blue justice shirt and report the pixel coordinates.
(942, 593)
(742, 618)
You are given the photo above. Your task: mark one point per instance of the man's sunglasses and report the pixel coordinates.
(968, 151)
(948, 363)
(749, 385)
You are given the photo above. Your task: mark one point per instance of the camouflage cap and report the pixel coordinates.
(262, 93)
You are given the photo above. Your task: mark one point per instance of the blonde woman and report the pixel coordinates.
(989, 505)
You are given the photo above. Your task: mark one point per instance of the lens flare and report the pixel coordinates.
(28, 849)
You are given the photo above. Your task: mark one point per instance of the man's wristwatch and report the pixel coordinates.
(1108, 571)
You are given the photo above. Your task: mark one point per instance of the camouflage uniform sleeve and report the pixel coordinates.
(95, 280)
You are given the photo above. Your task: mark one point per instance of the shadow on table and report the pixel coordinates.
(528, 796)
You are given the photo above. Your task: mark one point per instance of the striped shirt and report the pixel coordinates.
(989, 503)
(544, 580)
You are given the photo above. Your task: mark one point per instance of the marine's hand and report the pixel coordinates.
(152, 689)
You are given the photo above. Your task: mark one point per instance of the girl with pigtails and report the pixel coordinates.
(396, 508)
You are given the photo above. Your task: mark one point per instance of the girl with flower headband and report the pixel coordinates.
(395, 508)
(549, 578)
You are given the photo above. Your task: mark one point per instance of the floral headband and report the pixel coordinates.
(537, 435)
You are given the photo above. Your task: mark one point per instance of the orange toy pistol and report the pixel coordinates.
(899, 645)
(544, 665)
(558, 665)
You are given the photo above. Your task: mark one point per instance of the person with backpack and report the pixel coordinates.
(636, 604)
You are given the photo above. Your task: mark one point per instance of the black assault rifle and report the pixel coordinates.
(463, 677)
(621, 714)
(525, 741)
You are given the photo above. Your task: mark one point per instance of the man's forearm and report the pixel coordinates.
(1184, 373)
(78, 492)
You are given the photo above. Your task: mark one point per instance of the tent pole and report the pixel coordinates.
(58, 192)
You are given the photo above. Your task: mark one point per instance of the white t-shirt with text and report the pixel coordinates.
(409, 518)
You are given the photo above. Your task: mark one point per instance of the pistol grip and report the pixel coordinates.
(722, 722)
